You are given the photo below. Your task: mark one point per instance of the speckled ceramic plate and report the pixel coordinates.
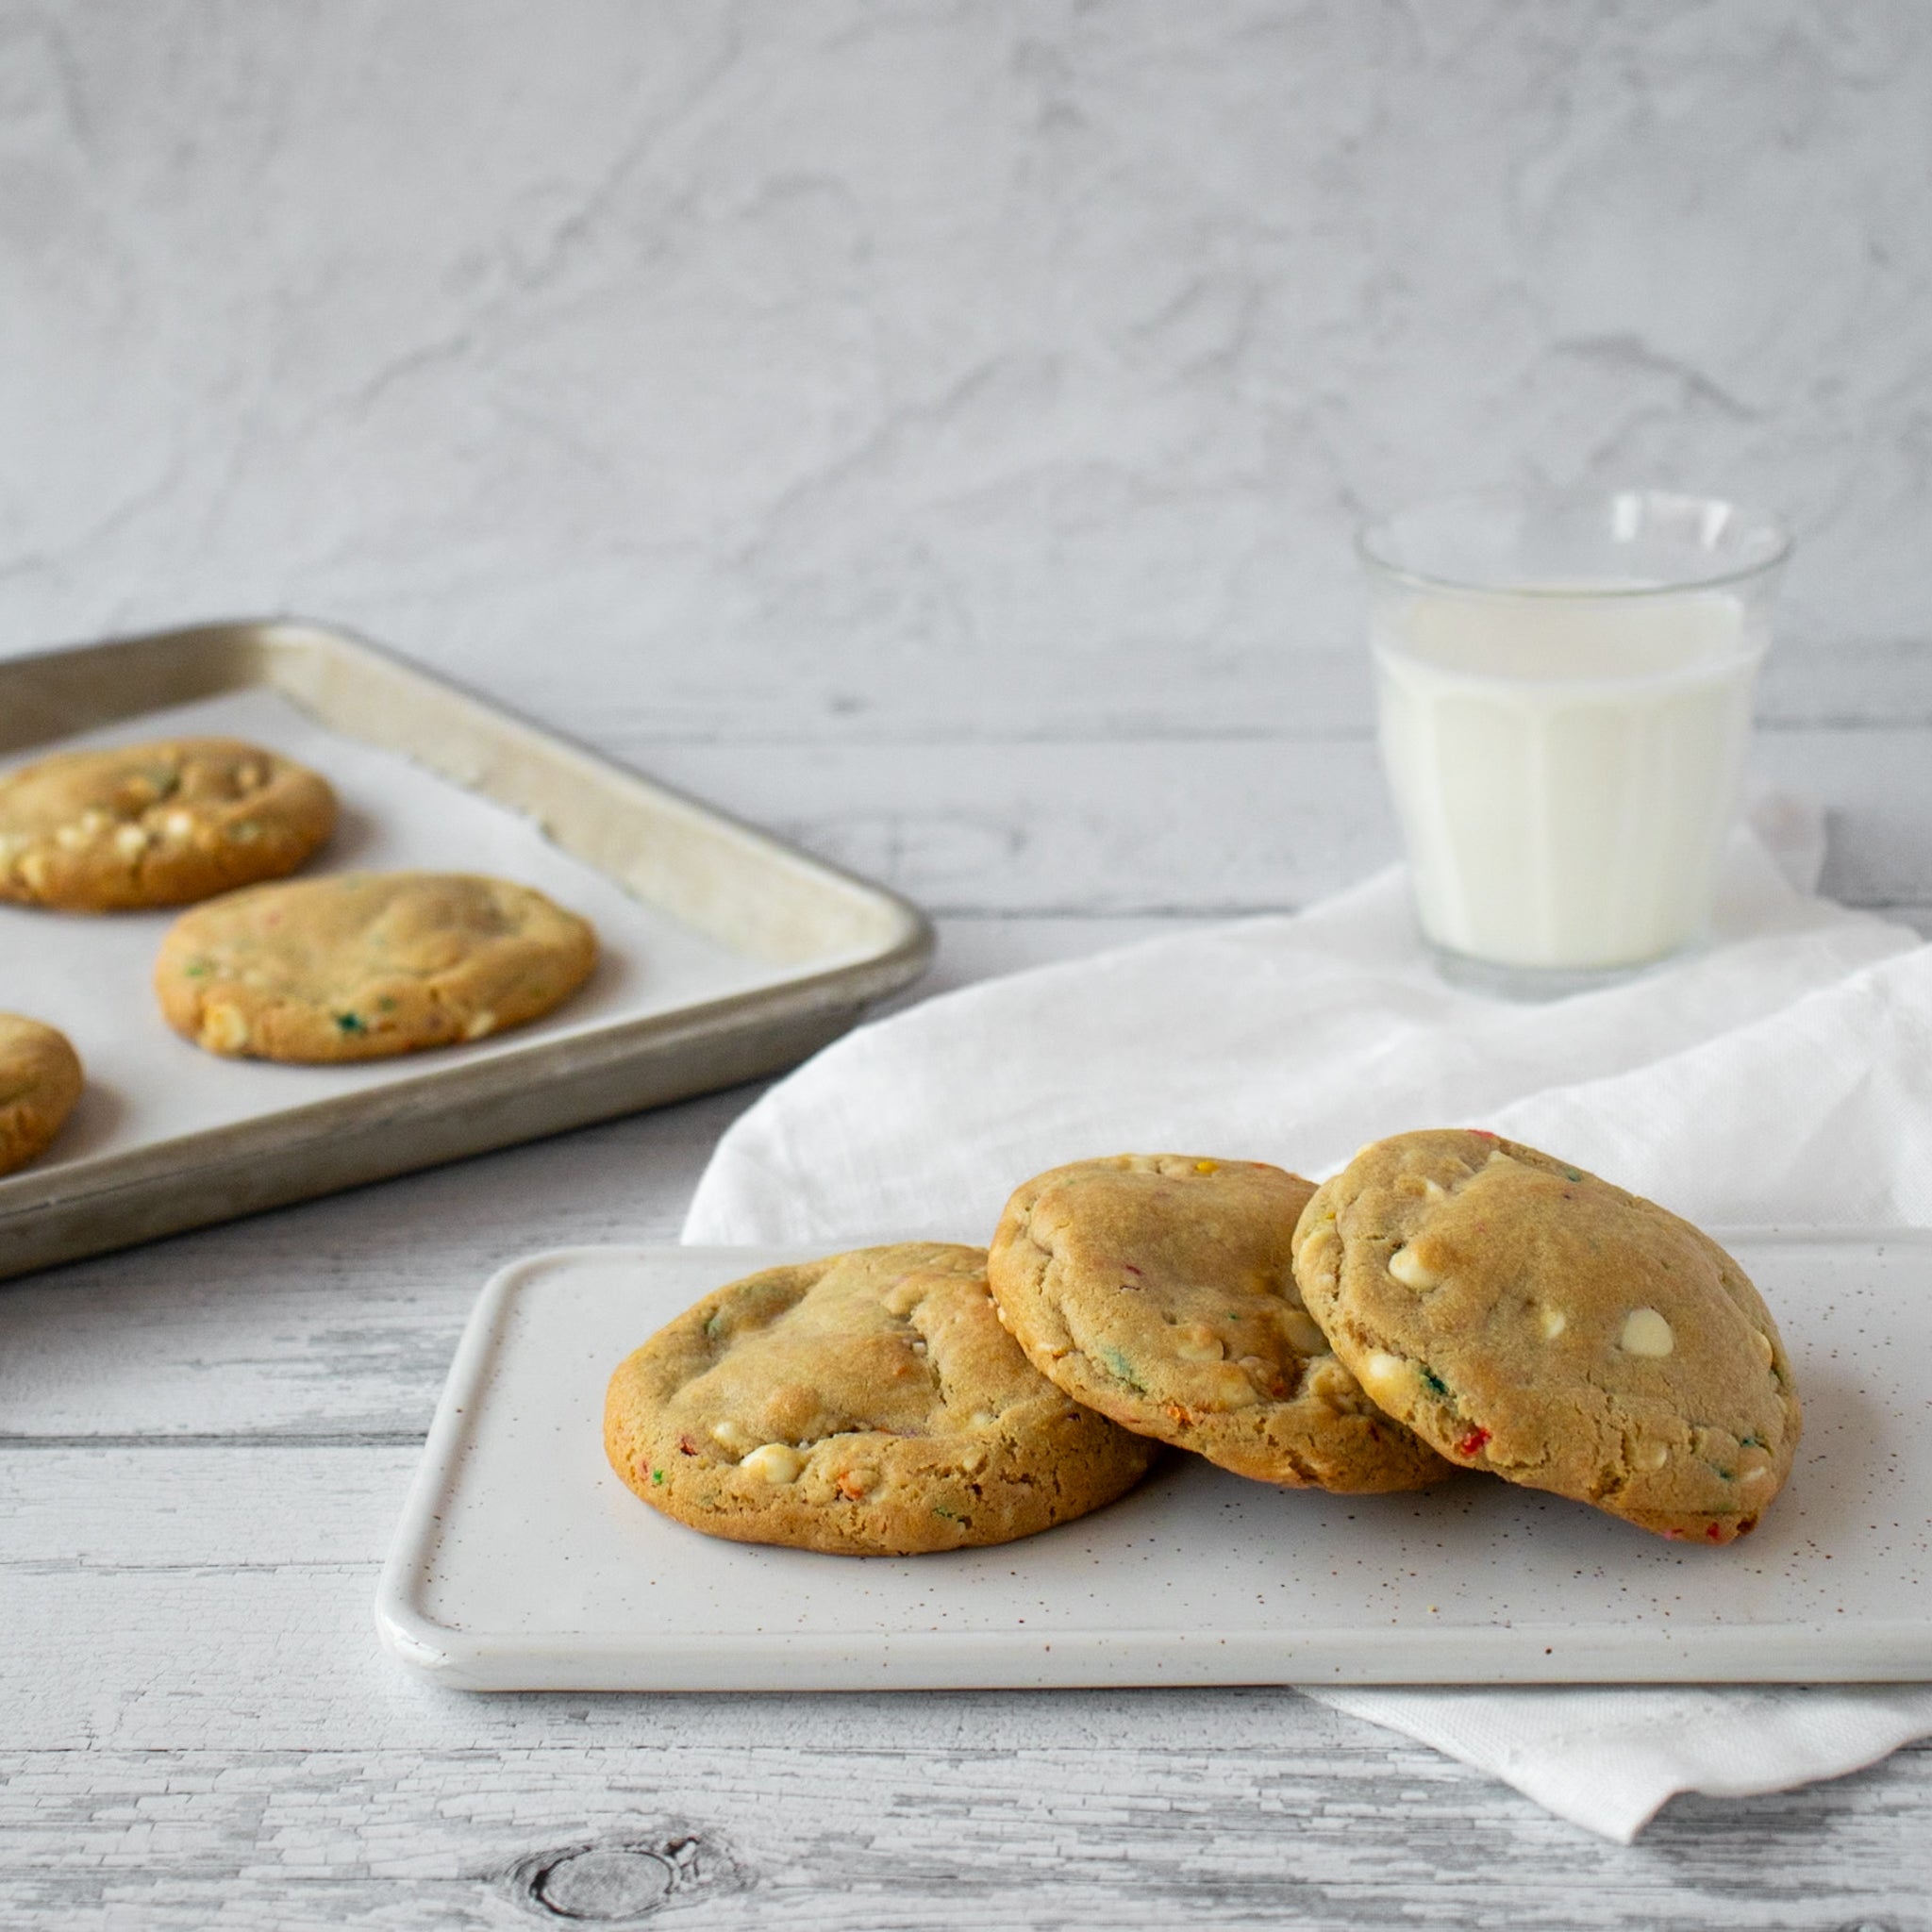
(523, 1563)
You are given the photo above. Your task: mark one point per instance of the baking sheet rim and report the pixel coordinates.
(799, 1010)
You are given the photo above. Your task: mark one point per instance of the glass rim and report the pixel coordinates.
(1379, 562)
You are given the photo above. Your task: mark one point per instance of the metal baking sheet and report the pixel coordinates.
(726, 953)
(523, 1563)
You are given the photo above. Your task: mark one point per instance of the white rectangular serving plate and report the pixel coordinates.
(522, 1562)
(725, 953)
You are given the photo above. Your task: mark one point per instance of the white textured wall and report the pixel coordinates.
(960, 368)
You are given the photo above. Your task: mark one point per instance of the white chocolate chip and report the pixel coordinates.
(1313, 1253)
(1388, 1378)
(1761, 1342)
(1552, 1321)
(71, 838)
(479, 1024)
(1304, 1335)
(732, 1435)
(1434, 1191)
(1649, 1456)
(1194, 1341)
(94, 820)
(1496, 1154)
(1755, 1476)
(1329, 1382)
(178, 825)
(903, 1296)
(131, 841)
(1231, 1388)
(777, 1463)
(224, 1028)
(1406, 1265)
(1646, 1333)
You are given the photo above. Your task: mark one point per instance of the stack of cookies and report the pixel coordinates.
(356, 966)
(1449, 1301)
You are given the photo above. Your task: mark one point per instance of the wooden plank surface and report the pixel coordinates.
(242, 1751)
(1140, 827)
(204, 1445)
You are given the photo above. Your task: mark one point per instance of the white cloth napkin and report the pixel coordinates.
(1784, 1076)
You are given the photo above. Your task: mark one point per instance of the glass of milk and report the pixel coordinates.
(1563, 691)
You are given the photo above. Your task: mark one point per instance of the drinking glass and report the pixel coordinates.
(1563, 700)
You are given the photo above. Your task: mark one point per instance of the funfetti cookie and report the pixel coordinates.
(869, 1404)
(1160, 1289)
(362, 965)
(155, 825)
(39, 1082)
(1526, 1318)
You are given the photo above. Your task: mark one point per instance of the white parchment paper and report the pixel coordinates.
(90, 974)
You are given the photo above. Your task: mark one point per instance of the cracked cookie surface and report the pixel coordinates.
(39, 1082)
(868, 1403)
(1530, 1319)
(1160, 1289)
(155, 825)
(363, 965)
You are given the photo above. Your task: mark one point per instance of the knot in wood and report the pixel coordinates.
(614, 1881)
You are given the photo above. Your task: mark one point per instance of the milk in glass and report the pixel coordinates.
(1564, 762)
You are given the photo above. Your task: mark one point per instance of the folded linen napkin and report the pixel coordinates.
(1783, 1075)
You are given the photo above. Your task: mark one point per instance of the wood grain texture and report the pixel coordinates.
(203, 1446)
(1161, 1828)
(233, 1748)
(1211, 827)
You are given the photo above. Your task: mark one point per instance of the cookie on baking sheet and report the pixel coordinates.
(40, 1082)
(1528, 1317)
(155, 825)
(869, 1404)
(1160, 1289)
(361, 965)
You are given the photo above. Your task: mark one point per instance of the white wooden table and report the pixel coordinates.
(204, 1445)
